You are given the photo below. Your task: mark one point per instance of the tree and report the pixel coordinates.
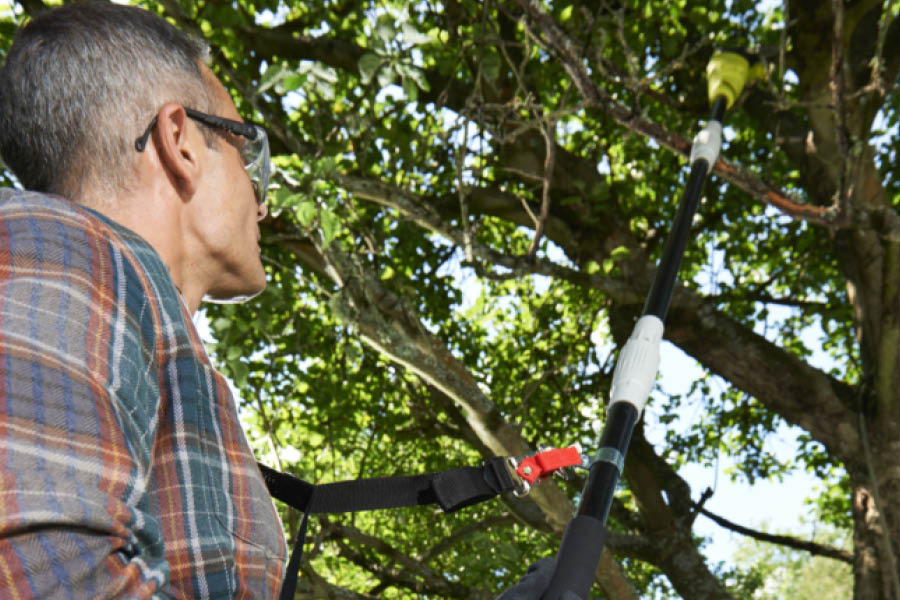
(530, 154)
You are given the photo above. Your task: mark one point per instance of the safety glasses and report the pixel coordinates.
(254, 150)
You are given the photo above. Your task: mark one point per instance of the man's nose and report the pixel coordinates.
(261, 211)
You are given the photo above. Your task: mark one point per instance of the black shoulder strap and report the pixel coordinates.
(451, 490)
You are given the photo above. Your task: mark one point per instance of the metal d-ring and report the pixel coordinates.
(522, 487)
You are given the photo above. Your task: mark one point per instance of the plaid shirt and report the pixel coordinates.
(124, 471)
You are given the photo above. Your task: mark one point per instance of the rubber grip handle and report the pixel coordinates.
(577, 560)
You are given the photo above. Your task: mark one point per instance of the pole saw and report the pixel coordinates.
(633, 378)
(636, 368)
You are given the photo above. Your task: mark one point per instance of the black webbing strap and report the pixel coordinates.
(292, 571)
(451, 490)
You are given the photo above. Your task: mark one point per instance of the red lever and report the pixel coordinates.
(544, 463)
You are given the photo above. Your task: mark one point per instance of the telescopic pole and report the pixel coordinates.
(582, 543)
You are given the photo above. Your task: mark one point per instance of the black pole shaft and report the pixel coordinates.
(582, 543)
(718, 109)
(604, 474)
(660, 295)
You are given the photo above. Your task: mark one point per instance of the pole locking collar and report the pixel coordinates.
(609, 455)
(707, 144)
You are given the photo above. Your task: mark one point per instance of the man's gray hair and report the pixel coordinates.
(80, 84)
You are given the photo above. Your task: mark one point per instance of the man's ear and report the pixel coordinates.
(177, 150)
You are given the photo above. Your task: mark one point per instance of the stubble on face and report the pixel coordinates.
(238, 273)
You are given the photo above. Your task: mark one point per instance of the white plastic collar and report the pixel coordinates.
(707, 144)
(638, 363)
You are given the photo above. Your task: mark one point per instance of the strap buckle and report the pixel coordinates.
(534, 468)
(522, 486)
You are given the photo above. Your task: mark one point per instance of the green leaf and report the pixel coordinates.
(418, 76)
(330, 224)
(386, 75)
(410, 89)
(368, 65)
(239, 372)
(292, 81)
(413, 36)
(324, 72)
(324, 89)
(325, 167)
(306, 212)
(273, 74)
(608, 265)
(384, 28)
(490, 66)
(221, 324)
(282, 197)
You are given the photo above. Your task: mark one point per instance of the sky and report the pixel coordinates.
(776, 505)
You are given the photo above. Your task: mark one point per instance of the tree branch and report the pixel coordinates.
(313, 586)
(801, 394)
(557, 42)
(797, 377)
(813, 548)
(836, 83)
(345, 55)
(420, 210)
(387, 324)
(463, 532)
(416, 575)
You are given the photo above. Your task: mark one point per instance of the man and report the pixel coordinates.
(124, 472)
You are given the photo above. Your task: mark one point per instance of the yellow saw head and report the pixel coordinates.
(729, 71)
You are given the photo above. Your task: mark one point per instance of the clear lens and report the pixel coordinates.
(256, 161)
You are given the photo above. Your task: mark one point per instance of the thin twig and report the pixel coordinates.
(630, 58)
(408, 572)
(457, 536)
(461, 190)
(888, 14)
(549, 133)
(534, 218)
(813, 548)
(782, 45)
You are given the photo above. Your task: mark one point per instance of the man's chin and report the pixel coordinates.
(233, 296)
